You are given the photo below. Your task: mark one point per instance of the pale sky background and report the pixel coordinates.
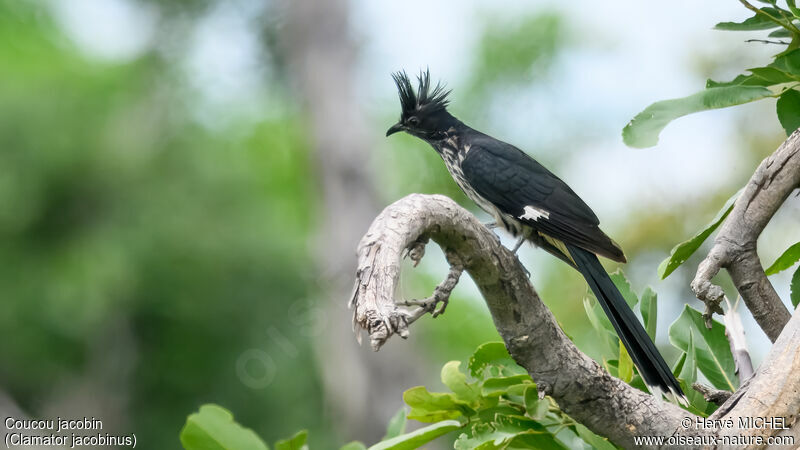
(636, 52)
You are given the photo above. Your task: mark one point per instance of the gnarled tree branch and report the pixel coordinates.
(580, 386)
(735, 246)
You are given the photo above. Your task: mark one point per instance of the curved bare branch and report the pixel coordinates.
(580, 386)
(735, 246)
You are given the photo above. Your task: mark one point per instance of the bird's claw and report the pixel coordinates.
(416, 250)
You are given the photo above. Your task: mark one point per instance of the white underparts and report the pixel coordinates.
(531, 213)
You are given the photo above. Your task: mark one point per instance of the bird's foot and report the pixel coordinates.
(437, 303)
(519, 243)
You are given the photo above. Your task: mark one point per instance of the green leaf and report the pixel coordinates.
(417, 438)
(788, 62)
(397, 424)
(740, 80)
(499, 385)
(355, 445)
(594, 441)
(780, 33)
(433, 406)
(638, 383)
(786, 260)
(681, 252)
(624, 365)
(713, 351)
(597, 317)
(487, 415)
(649, 310)
(296, 442)
(776, 73)
(516, 392)
(757, 22)
(688, 374)
(794, 286)
(793, 8)
(679, 365)
(624, 286)
(772, 75)
(492, 359)
(535, 407)
(602, 325)
(213, 428)
(457, 382)
(536, 441)
(611, 365)
(788, 107)
(506, 431)
(644, 129)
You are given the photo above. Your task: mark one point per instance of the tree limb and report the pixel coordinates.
(735, 246)
(712, 395)
(774, 391)
(581, 387)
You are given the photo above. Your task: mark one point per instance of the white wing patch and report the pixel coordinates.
(531, 213)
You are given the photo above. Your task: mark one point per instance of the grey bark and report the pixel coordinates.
(735, 246)
(774, 391)
(579, 385)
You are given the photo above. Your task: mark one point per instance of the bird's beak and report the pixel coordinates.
(394, 129)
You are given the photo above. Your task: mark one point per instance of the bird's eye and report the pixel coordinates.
(413, 121)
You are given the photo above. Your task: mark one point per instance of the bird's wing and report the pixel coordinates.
(521, 187)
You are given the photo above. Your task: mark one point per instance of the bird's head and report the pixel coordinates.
(424, 112)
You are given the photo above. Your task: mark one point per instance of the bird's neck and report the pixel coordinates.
(451, 133)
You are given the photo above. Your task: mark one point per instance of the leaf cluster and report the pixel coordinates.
(497, 405)
(779, 79)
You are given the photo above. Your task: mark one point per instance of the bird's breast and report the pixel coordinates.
(452, 158)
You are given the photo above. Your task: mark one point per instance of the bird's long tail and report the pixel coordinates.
(652, 367)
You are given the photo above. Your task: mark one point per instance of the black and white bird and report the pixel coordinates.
(534, 205)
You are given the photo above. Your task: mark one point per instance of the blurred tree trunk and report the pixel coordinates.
(363, 388)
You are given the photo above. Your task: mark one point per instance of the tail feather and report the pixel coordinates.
(654, 370)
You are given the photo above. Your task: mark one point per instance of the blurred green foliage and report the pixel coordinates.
(516, 54)
(140, 251)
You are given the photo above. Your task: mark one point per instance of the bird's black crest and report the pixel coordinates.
(425, 98)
